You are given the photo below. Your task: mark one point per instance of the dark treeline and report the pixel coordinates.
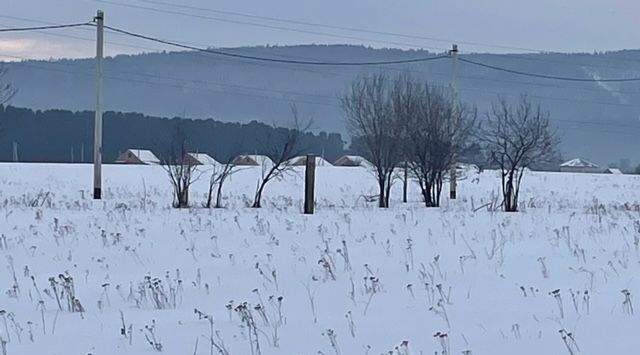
(66, 136)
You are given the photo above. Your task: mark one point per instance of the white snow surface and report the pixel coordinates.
(354, 279)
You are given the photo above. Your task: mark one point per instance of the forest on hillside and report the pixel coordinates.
(67, 136)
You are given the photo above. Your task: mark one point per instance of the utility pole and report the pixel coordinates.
(453, 170)
(97, 133)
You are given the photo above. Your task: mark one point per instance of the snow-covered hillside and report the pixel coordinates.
(558, 278)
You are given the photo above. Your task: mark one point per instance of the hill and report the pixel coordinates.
(598, 121)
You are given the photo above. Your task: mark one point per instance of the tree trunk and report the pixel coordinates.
(437, 191)
(428, 194)
(258, 198)
(388, 191)
(219, 195)
(209, 195)
(183, 197)
(382, 198)
(509, 204)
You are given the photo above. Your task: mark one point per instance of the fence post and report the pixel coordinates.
(309, 183)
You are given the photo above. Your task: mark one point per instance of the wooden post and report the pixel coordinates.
(405, 182)
(309, 183)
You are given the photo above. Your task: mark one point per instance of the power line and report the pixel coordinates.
(181, 86)
(189, 53)
(534, 57)
(353, 29)
(141, 47)
(544, 76)
(344, 28)
(129, 75)
(42, 28)
(235, 55)
(261, 64)
(300, 69)
(463, 88)
(281, 28)
(400, 61)
(120, 44)
(333, 63)
(201, 9)
(293, 100)
(274, 60)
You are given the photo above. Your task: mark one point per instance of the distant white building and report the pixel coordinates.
(252, 160)
(138, 156)
(353, 160)
(613, 171)
(302, 160)
(579, 165)
(200, 159)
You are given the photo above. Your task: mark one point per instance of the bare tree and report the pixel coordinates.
(370, 118)
(181, 170)
(517, 137)
(219, 175)
(282, 145)
(436, 129)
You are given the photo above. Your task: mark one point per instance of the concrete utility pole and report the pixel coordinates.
(453, 171)
(97, 133)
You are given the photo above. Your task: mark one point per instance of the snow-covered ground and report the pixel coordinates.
(351, 279)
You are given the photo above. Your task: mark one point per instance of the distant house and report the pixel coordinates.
(353, 160)
(200, 159)
(580, 165)
(138, 156)
(302, 160)
(613, 171)
(252, 160)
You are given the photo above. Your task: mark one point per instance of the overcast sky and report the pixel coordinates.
(554, 25)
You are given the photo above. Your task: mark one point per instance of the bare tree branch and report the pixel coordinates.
(219, 175)
(436, 129)
(371, 119)
(517, 137)
(182, 171)
(282, 146)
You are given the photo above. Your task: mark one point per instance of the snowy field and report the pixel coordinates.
(130, 275)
